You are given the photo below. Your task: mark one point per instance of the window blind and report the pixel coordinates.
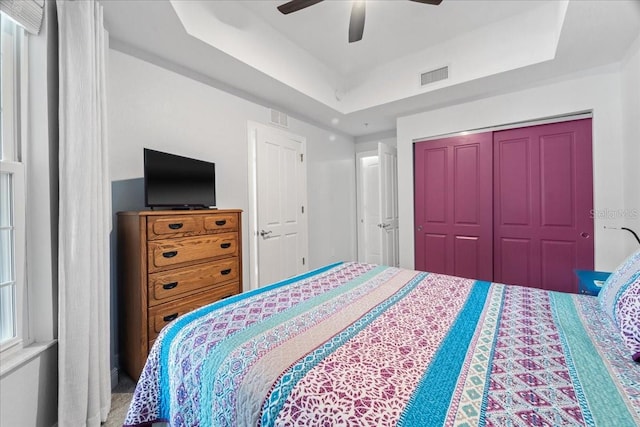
(27, 13)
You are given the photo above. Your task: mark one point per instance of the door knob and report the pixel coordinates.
(264, 233)
(584, 234)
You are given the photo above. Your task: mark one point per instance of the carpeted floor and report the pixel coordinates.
(120, 399)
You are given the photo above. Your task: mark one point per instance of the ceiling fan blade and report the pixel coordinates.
(433, 2)
(356, 22)
(296, 5)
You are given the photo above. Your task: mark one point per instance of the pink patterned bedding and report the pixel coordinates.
(357, 344)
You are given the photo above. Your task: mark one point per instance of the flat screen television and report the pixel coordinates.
(172, 181)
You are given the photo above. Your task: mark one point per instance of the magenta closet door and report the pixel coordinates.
(453, 206)
(543, 197)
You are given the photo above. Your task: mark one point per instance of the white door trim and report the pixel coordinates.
(252, 137)
(388, 199)
(360, 200)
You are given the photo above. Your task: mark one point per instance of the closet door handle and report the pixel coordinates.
(170, 254)
(170, 285)
(225, 245)
(221, 222)
(225, 272)
(170, 317)
(176, 226)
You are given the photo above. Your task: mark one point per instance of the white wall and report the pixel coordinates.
(630, 80)
(597, 91)
(153, 107)
(29, 392)
(331, 183)
(370, 142)
(373, 145)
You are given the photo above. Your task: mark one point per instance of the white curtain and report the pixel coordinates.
(85, 217)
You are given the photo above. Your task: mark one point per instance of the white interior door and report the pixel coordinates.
(281, 198)
(388, 200)
(369, 233)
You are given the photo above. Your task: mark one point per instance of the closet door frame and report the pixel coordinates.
(586, 232)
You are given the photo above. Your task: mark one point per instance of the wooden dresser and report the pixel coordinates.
(169, 263)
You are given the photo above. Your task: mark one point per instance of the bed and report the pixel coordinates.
(354, 344)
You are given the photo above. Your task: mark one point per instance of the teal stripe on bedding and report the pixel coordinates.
(176, 326)
(430, 401)
(597, 394)
(212, 365)
(285, 384)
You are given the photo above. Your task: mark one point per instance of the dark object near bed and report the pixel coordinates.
(172, 181)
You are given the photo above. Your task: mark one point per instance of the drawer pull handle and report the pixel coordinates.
(227, 296)
(176, 226)
(170, 317)
(170, 254)
(221, 222)
(225, 272)
(225, 245)
(170, 285)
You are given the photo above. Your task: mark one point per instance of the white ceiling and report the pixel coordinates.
(393, 29)
(303, 65)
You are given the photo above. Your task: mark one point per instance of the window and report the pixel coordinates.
(12, 189)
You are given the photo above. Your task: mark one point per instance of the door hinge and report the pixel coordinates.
(302, 260)
(302, 157)
(302, 209)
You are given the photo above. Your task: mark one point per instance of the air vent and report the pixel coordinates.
(434, 76)
(279, 118)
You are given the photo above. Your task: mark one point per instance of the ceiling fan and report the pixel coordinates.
(356, 22)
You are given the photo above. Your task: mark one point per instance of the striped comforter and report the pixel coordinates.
(357, 344)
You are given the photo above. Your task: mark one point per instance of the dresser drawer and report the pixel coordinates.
(162, 314)
(166, 227)
(221, 222)
(164, 254)
(171, 284)
(171, 262)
